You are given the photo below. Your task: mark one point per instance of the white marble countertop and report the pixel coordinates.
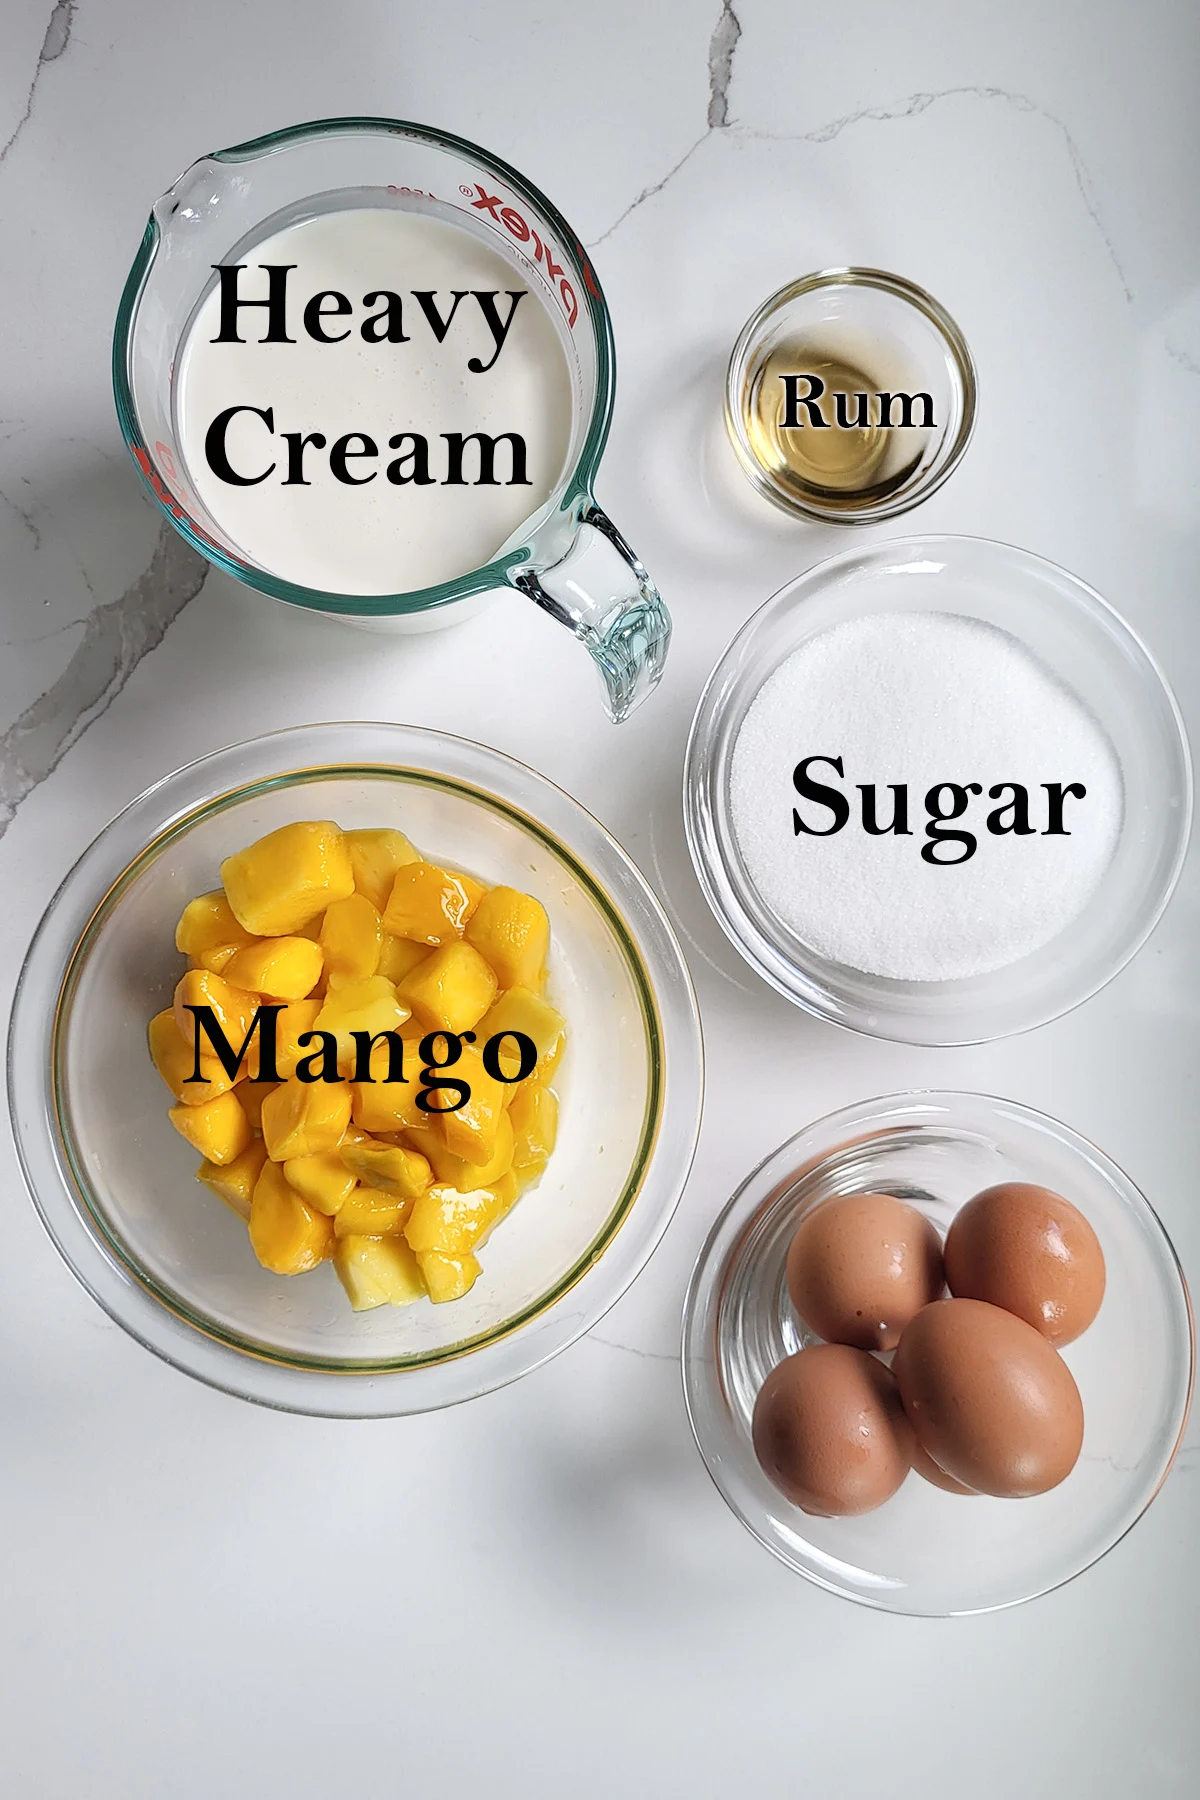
(541, 1593)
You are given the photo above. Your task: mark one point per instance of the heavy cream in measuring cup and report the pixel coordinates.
(389, 418)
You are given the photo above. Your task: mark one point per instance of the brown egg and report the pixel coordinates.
(925, 1466)
(861, 1266)
(1031, 1252)
(991, 1401)
(830, 1431)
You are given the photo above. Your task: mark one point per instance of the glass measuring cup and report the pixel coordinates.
(568, 557)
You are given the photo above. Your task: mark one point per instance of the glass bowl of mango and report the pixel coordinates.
(355, 1070)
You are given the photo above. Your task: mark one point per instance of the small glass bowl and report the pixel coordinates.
(925, 1551)
(892, 335)
(114, 1183)
(1079, 638)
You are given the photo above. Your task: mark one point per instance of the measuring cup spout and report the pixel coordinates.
(599, 590)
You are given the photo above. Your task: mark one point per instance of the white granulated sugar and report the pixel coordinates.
(921, 698)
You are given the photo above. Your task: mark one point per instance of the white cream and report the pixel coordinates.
(375, 535)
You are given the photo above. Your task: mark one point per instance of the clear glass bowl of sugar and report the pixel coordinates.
(1013, 943)
(925, 1551)
(114, 1183)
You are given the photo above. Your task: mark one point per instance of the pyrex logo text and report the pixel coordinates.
(524, 233)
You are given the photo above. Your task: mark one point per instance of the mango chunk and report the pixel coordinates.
(446, 1220)
(522, 1010)
(382, 1105)
(207, 923)
(282, 968)
(429, 904)
(351, 938)
(251, 1095)
(511, 931)
(370, 1212)
(232, 1008)
(376, 857)
(505, 1192)
(534, 1116)
(288, 1236)
(388, 1167)
(276, 885)
(234, 1182)
(296, 1020)
(471, 1130)
(219, 1129)
(448, 1277)
(217, 959)
(451, 989)
(370, 1005)
(303, 1117)
(378, 1272)
(398, 955)
(174, 1058)
(455, 1171)
(322, 1179)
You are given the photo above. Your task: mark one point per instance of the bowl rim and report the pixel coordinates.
(251, 1368)
(821, 995)
(696, 1352)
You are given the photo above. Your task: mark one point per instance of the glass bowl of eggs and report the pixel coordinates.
(341, 1254)
(938, 1353)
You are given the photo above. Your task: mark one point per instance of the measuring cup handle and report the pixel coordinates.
(599, 590)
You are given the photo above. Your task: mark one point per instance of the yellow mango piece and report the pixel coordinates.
(398, 955)
(234, 1182)
(303, 1117)
(429, 904)
(471, 1130)
(475, 890)
(370, 1212)
(448, 1221)
(522, 1010)
(232, 1008)
(288, 1236)
(451, 989)
(276, 885)
(378, 1272)
(389, 1167)
(281, 968)
(375, 857)
(297, 1018)
(534, 1115)
(455, 1171)
(512, 932)
(218, 958)
(219, 1129)
(351, 938)
(322, 1179)
(370, 1005)
(448, 1277)
(505, 1192)
(293, 1020)
(251, 1095)
(174, 1058)
(207, 923)
(389, 1105)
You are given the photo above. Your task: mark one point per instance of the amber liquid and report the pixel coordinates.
(838, 468)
